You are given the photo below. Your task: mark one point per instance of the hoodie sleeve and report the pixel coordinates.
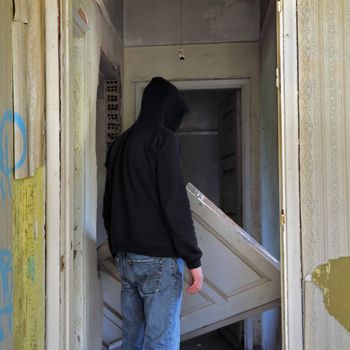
(175, 203)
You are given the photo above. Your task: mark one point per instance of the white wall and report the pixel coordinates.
(155, 22)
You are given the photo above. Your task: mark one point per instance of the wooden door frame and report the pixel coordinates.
(53, 164)
(59, 170)
(57, 321)
(291, 259)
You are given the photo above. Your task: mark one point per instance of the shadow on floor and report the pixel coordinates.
(210, 341)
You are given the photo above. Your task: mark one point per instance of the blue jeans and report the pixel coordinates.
(151, 298)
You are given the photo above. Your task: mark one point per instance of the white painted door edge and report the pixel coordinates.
(53, 313)
(291, 240)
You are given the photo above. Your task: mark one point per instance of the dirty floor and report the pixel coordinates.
(210, 341)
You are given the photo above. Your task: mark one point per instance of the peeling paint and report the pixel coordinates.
(333, 278)
(29, 262)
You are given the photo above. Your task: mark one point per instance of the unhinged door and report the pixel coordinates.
(241, 277)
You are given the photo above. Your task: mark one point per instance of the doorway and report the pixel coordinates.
(212, 147)
(219, 123)
(244, 180)
(211, 141)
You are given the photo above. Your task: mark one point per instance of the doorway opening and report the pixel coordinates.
(225, 56)
(211, 139)
(232, 158)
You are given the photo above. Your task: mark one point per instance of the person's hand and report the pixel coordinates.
(196, 276)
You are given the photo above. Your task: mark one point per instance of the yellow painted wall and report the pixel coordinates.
(29, 262)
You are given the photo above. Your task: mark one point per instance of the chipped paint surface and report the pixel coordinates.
(28, 261)
(333, 278)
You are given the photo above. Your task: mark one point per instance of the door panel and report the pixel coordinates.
(241, 277)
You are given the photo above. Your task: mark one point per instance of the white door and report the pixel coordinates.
(241, 277)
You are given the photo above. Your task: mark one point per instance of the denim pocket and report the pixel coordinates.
(144, 271)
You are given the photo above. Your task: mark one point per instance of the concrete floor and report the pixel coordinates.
(210, 341)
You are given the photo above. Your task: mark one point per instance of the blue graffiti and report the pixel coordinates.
(23, 129)
(6, 170)
(6, 307)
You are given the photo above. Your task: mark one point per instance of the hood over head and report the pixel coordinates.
(162, 103)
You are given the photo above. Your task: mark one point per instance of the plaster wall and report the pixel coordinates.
(116, 10)
(157, 22)
(203, 61)
(324, 95)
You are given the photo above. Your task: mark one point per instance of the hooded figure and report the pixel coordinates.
(146, 209)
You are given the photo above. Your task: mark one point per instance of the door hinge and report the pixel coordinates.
(282, 217)
(279, 6)
(278, 78)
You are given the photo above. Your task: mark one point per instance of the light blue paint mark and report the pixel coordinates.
(31, 268)
(6, 307)
(22, 127)
(6, 170)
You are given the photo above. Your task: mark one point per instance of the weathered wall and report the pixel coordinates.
(29, 262)
(270, 229)
(324, 95)
(158, 21)
(6, 165)
(22, 258)
(115, 9)
(29, 85)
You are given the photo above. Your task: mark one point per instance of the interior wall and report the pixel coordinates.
(324, 95)
(157, 22)
(270, 229)
(115, 9)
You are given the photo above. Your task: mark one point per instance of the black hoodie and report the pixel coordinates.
(146, 209)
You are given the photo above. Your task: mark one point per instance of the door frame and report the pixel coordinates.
(57, 320)
(53, 182)
(291, 258)
(242, 84)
